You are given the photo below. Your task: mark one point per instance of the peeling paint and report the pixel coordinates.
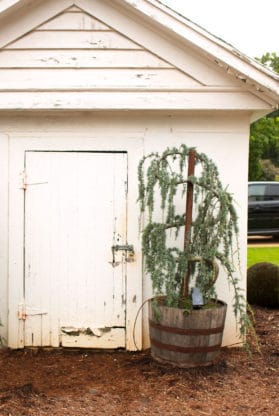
(75, 332)
(71, 331)
(134, 298)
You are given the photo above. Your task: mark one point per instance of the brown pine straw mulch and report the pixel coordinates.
(69, 382)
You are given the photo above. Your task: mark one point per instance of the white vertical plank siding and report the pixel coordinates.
(4, 216)
(136, 134)
(40, 312)
(75, 211)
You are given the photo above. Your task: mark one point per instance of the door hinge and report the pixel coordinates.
(21, 314)
(24, 183)
(24, 312)
(23, 180)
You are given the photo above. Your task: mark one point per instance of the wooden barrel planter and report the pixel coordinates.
(187, 340)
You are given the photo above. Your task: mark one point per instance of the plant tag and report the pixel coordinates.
(197, 297)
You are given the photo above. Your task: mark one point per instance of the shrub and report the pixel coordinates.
(263, 284)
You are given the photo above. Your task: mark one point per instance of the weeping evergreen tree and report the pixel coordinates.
(210, 239)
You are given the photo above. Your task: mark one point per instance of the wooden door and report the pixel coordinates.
(75, 211)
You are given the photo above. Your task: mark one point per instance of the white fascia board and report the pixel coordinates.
(244, 68)
(6, 4)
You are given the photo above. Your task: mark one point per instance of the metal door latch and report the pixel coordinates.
(128, 248)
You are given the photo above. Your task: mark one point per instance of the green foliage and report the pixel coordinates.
(255, 152)
(264, 144)
(263, 284)
(213, 229)
(271, 60)
(264, 136)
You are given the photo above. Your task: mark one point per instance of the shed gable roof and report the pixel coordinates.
(94, 46)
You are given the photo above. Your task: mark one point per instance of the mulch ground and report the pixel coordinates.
(78, 382)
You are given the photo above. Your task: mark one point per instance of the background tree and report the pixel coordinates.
(264, 137)
(271, 60)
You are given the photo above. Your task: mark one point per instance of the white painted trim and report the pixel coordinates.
(4, 215)
(210, 45)
(16, 248)
(120, 100)
(20, 144)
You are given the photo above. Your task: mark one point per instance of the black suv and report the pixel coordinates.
(263, 208)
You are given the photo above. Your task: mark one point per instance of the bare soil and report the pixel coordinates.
(78, 382)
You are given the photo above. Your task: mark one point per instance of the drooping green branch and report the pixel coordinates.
(214, 225)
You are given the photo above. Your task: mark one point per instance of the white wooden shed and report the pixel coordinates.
(87, 87)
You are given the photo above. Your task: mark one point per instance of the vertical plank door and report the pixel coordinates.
(75, 211)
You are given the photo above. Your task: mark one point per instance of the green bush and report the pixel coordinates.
(263, 284)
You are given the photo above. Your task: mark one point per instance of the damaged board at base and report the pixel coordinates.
(107, 337)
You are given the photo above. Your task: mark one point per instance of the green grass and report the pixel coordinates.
(260, 254)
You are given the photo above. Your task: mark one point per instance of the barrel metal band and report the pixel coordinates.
(189, 331)
(185, 350)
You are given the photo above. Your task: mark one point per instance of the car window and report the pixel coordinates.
(256, 192)
(272, 192)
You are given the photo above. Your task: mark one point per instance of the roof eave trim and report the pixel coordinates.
(213, 47)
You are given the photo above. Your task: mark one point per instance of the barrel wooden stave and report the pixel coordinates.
(187, 340)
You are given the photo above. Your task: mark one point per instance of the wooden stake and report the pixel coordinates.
(188, 216)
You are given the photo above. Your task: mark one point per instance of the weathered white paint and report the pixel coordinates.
(100, 142)
(223, 54)
(134, 134)
(75, 211)
(74, 20)
(80, 59)
(4, 215)
(83, 39)
(97, 55)
(73, 40)
(69, 79)
(21, 19)
(207, 99)
(75, 55)
(136, 16)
